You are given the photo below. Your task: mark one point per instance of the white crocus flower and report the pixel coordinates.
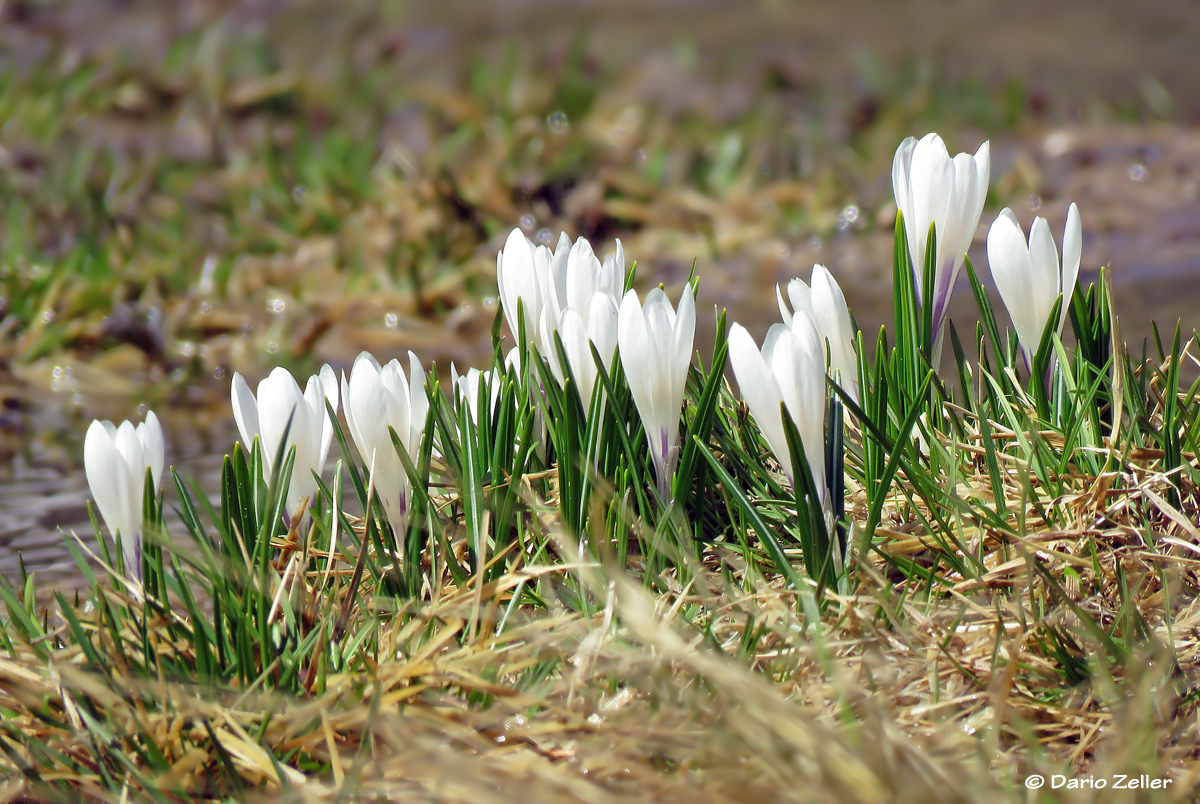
(656, 349)
(573, 282)
(522, 273)
(933, 189)
(376, 398)
(115, 460)
(539, 280)
(278, 409)
(578, 328)
(466, 389)
(789, 370)
(1030, 277)
(825, 305)
(578, 281)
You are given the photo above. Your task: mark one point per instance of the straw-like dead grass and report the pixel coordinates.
(1077, 652)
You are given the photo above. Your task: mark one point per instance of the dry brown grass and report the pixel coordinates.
(890, 696)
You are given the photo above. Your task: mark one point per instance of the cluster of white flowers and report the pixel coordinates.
(932, 189)
(572, 293)
(568, 296)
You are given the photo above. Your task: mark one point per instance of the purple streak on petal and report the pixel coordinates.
(941, 299)
(662, 468)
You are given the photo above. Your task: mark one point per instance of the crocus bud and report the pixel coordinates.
(574, 282)
(378, 398)
(655, 343)
(466, 389)
(1030, 277)
(789, 370)
(825, 306)
(115, 460)
(522, 274)
(933, 189)
(578, 329)
(278, 409)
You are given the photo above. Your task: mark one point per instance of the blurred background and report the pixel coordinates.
(190, 189)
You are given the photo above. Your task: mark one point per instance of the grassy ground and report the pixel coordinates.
(1023, 600)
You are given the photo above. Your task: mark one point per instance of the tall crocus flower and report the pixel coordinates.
(789, 370)
(655, 342)
(466, 388)
(521, 274)
(376, 398)
(595, 323)
(115, 460)
(1029, 275)
(825, 305)
(933, 189)
(575, 281)
(581, 298)
(538, 279)
(278, 409)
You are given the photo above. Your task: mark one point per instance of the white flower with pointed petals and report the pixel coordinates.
(583, 275)
(376, 398)
(933, 189)
(280, 408)
(789, 370)
(1030, 277)
(578, 329)
(466, 388)
(522, 273)
(656, 342)
(825, 305)
(115, 460)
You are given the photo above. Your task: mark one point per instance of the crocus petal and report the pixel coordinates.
(803, 388)
(800, 296)
(636, 352)
(583, 273)
(902, 190)
(518, 282)
(329, 385)
(931, 180)
(602, 327)
(151, 435)
(101, 464)
(759, 388)
(245, 410)
(612, 274)
(467, 388)
(832, 316)
(418, 401)
(1008, 257)
(280, 413)
(1046, 274)
(660, 327)
(546, 329)
(684, 339)
(396, 389)
(579, 353)
(655, 343)
(1072, 251)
